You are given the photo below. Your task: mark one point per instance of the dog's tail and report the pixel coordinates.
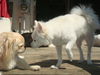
(88, 13)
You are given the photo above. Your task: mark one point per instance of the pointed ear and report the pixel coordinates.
(36, 22)
(38, 26)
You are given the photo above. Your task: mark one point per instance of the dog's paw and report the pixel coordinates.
(35, 67)
(20, 56)
(53, 67)
(51, 45)
(70, 60)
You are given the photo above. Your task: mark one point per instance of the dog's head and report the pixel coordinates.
(39, 35)
(11, 43)
(19, 43)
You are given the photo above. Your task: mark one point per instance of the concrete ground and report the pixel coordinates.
(45, 57)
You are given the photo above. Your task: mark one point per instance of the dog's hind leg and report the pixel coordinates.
(68, 48)
(79, 43)
(89, 41)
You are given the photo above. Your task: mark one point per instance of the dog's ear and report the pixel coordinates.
(35, 22)
(2, 42)
(3, 47)
(38, 26)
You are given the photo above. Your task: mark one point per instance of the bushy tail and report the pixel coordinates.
(88, 13)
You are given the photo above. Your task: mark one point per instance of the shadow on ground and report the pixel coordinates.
(93, 69)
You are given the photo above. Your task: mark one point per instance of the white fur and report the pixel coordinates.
(5, 24)
(12, 64)
(96, 40)
(67, 29)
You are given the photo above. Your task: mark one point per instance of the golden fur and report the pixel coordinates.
(11, 44)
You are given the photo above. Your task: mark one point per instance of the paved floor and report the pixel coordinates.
(45, 57)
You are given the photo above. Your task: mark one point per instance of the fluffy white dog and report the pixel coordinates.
(67, 29)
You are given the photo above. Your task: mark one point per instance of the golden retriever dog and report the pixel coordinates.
(11, 45)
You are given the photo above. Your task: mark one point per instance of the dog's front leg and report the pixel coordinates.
(59, 55)
(22, 64)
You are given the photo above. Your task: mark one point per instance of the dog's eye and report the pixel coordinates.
(21, 46)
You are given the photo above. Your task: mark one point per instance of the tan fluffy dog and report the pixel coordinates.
(11, 44)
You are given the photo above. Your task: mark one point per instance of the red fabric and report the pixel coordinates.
(4, 9)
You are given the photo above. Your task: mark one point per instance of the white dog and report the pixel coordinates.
(67, 29)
